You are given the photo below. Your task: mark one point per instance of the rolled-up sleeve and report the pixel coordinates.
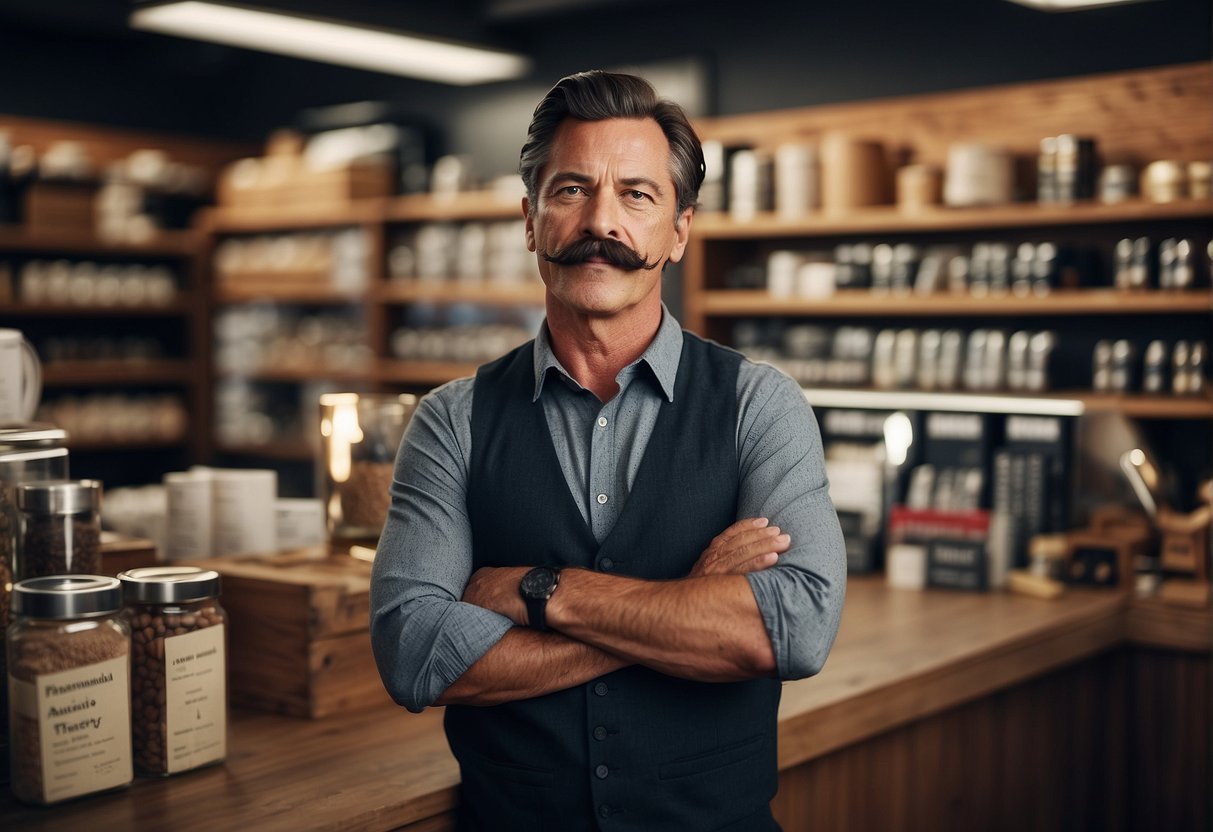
(423, 636)
(782, 473)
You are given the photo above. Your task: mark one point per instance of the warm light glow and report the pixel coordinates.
(331, 42)
(898, 437)
(342, 430)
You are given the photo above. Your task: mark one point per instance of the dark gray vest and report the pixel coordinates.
(634, 749)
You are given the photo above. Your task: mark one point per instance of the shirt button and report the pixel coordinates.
(601, 772)
(601, 688)
(602, 421)
(600, 733)
(606, 564)
(602, 498)
(604, 811)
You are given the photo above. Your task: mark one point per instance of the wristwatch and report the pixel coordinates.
(536, 588)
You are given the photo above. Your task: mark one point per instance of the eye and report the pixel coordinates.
(637, 195)
(572, 190)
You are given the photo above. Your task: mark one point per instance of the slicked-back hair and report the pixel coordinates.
(597, 95)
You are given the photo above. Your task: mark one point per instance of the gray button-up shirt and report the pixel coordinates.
(425, 637)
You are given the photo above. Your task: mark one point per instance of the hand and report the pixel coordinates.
(748, 545)
(496, 589)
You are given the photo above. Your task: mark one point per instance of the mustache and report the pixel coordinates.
(614, 252)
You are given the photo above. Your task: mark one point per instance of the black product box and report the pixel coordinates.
(956, 440)
(957, 564)
(1045, 443)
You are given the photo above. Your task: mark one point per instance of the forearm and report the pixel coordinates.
(706, 628)
(527, 663)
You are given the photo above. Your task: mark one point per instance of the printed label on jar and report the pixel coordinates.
(195, 695)
(84, 727)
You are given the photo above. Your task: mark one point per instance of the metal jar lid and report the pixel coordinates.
(66, 596)
(26, 435)
(168, 584)
(59, 496)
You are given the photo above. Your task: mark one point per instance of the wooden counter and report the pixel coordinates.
(900, 656)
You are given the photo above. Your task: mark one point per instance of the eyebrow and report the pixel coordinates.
(583, 179)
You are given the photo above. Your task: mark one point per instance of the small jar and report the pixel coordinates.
(69, 678)
(58, 528)
(179, 660)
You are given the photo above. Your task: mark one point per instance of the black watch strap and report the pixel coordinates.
(536, 613)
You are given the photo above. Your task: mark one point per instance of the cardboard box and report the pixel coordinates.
(298, 632)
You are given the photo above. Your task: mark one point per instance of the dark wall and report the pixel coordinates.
(755, 55)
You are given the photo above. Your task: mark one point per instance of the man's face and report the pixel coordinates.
(606, 189)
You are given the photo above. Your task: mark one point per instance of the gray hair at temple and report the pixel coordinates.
(597, 95)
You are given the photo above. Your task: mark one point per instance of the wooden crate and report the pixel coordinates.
(298, 632)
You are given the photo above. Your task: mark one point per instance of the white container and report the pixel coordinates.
(188, 528)
(301, 523)
(243, 512)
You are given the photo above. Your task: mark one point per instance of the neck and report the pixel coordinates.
(594, 349)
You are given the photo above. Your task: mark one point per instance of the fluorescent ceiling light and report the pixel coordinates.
(331, 42)
(1070, 5)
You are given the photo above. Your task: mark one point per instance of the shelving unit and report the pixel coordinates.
(177, 326)
(380, 304)
(1115, 110)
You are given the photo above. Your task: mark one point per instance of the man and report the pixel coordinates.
(564, 565)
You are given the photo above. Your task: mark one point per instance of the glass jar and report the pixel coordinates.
(69, 677)
(58, 529)
(28, 452)
(360, 433)
(179, 656)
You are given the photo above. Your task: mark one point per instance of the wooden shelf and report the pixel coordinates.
(288, 293)
(862, 302)
(422, 373)
(314, 372)
(117, 373)
(469, 206)
(1143, 406)
(184, 304)
(228, 220)
(88, 445)
(530, 293)
(888, 219)
(1072, 403)
(286, 451)
(175, 244)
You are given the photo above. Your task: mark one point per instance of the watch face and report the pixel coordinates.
(539, 582)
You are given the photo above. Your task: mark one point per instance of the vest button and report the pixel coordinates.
(604, 811)
(600, 733)
(602, 498)
(606, 564)
(601, 772)
(601, 688)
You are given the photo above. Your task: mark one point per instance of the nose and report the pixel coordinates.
(601, 218)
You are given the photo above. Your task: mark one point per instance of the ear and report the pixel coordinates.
(530, 225)
(682, 233)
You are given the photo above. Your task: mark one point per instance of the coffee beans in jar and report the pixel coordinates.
(58, 529)
(179, 668)
(69, 683)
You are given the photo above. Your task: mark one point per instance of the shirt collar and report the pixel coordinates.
(661, 356)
